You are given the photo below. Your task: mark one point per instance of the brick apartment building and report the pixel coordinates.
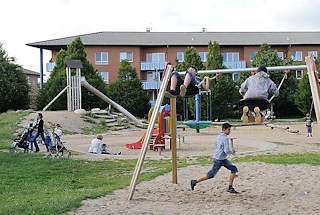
(149, 52)
(33, 80)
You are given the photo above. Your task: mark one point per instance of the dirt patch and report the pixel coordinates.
(264, 189)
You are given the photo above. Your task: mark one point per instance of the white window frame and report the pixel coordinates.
(125, 56)
(297, 76)
(294, 56)
(231, 56)
(280, 55)
(29, 80)
(314, 53)
(101, 62)
(155, 57)
(180, 56)
(203, 56)
(104, 78)
(254, 54)
(233, 76)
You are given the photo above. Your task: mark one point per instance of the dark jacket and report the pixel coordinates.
(40, 126)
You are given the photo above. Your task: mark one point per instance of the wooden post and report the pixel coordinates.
(314, 87)
(173, 140)
(147, 138)
(79, 83)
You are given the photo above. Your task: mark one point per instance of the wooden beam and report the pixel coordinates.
(173, 140)
(147, 138)
(314, 87)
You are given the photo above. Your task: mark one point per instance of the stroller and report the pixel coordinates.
(23, 140)
(56, 146)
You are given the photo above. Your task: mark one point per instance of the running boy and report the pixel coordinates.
(220, 159)
(189, 86)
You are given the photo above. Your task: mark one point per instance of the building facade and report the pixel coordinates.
(149, 52)
(33, 81)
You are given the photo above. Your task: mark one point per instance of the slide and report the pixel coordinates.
(138, 145)
(108, 100)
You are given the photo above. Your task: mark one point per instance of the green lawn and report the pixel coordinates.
(311, 158)
(282, 143)
(8, 126)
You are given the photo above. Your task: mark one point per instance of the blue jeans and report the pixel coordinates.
(35, 142)
(309, 129)
(217, 164)
(192, 89)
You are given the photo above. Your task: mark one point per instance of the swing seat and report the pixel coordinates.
(252, 103)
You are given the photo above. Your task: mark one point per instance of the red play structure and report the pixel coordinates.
(158, 135)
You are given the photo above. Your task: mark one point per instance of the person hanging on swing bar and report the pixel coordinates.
(255, 91)
(189, 86)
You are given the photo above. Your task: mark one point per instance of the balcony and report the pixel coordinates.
(151, 85)
(235, 65)
(50, 66)
(152, 65)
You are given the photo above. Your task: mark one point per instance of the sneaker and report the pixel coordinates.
(231, 190)
(171, 93)
(183, 90)
(193, 184)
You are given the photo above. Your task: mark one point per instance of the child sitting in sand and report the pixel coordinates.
(220, 159)
(105, 151)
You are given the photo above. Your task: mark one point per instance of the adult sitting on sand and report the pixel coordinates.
(96, 145)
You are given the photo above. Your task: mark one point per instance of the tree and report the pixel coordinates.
(127, 91)
(214, 58)
(192, 58)
(14, 89)
(58, 81)
(303, 97)
(283, 105)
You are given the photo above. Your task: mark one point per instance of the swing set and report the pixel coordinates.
(315, 90)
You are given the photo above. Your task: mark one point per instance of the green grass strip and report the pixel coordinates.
(311, 158)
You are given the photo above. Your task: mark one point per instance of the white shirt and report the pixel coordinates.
(95, 146)
(58, 132)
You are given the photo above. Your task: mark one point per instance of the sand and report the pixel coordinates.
(264, 188)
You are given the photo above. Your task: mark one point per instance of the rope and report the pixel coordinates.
(284, 77)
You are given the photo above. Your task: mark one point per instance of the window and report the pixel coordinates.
(299, 74)
(29, 80)
(297, 56)
(156, 57)
(252, 54)
(230, 56)
(235, 76)
(101, 58)
(126, 56)
(314, 53)
(105, 77)
(180, 56)
(280, 55)
(203, 56)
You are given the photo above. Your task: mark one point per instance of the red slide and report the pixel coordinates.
(138, 145)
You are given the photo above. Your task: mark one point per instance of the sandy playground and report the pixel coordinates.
(264, 188)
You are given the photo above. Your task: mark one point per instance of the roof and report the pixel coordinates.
(29, 72)
(184, 38)
(74, 64)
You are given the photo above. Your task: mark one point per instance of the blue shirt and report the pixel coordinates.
(222, 147)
